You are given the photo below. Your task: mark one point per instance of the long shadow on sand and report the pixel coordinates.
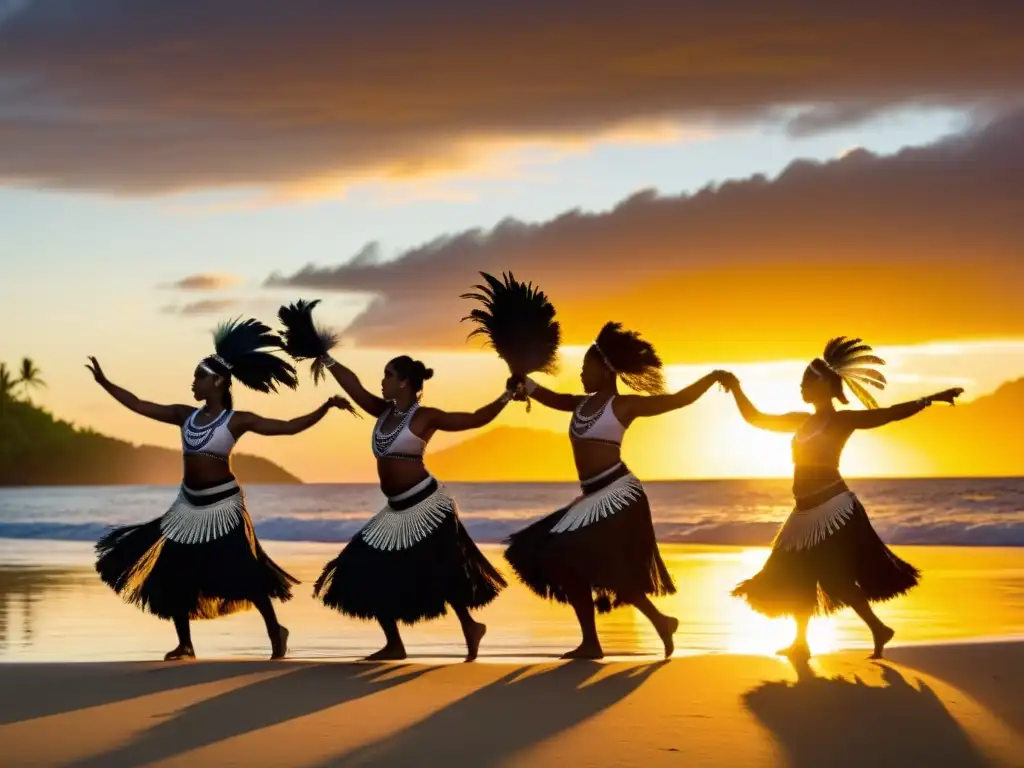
(838, 722)
(76, 690)
(982, 676)
(266, 703)
(503, 718)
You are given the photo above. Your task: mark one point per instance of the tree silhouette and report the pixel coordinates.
(7, 385)
(30, 377)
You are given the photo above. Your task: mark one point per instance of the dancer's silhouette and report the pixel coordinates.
(603, 543)
(413, 558)
(201, 559)
(827, 555)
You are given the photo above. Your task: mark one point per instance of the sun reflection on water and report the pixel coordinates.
(65, 613)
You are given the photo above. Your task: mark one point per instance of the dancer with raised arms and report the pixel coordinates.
(603, 544)
(827, 554)
(414, 557)
(201, 559)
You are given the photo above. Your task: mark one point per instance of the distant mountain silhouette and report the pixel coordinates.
(980, 438)
(977, 439)
(36, 449)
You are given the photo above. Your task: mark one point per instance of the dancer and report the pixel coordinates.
(201, 559)
(827, 555)
(603, 544)
(414, 557)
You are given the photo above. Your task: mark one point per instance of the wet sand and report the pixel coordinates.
(54, 608)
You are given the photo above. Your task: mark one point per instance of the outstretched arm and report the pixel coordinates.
(879, 417)
(635, 406)
(555, 400)
(168, 414)
(250, 422)
(445, 421)
(783, 422)
(354, 388)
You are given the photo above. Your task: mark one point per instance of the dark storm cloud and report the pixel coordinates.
(132, 97)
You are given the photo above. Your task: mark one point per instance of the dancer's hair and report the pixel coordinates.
(850, 362)
(413, 371)
(630, 358)
(242, 351)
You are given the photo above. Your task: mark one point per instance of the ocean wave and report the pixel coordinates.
(488, 529)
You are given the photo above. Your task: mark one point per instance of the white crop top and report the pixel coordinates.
(213, 439)
(400, 442)
(602, 426)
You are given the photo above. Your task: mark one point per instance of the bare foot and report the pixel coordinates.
(882, 637)
(665, 632)
(473, 637)
(585, 651)
(798, 651)
(388, 653)
(280, 646)
(180, 653)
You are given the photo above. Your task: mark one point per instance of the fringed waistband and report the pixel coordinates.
(605, 494)
(199, 516)
(806, 527)
(810, 501)
(418, 492)
(206, 496)
(603, 479)
(409, 517)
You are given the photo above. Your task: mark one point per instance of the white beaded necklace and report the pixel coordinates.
(382, 440)
(581, 424)
(196, 436)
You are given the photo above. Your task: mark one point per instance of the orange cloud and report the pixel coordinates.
(902, 249)
(204, 282)
(145, 98)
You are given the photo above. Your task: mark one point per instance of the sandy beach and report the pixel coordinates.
(954, 705)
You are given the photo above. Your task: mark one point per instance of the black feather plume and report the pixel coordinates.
(518, 322)
(303, 338)
(246, 346)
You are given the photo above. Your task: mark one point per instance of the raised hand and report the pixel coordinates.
(342, 404)
(947, 396)
(94, 368)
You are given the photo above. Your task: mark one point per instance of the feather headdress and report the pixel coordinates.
(304, 339)
(245, 351)
(854, 363)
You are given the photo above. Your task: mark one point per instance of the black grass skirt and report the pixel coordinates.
(605, 539)
(409, 562)
(201, 558)
(826, 548)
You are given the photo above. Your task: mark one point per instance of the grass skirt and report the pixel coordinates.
(201, 558)
(409, 562)
(826, 547)
(605, 538)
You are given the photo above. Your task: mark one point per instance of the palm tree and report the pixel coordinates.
(7, 385)
(30, 376)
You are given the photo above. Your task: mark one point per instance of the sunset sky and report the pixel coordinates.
(737, 183)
